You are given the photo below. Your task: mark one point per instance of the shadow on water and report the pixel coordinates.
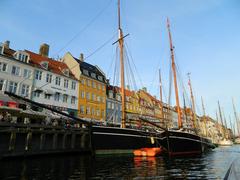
(212, 165)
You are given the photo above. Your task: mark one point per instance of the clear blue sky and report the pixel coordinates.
(206, 36)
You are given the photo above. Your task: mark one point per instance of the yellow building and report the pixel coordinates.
(92, 88)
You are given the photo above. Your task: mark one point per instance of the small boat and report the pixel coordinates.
(225, 142)
(150, 152)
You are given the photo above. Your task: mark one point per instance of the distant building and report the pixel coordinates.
(92, 88)
(113, 105)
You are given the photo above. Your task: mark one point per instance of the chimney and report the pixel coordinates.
(6, 44)
(44, 50)
(81, 58)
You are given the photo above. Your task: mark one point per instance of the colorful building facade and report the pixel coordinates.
(92, 88)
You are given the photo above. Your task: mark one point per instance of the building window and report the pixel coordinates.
(36, 94)
(98, 112)
(103, 87)
(102, 98)
(93, 84)
(57, 96)
(89, 83)
(38, 75)
(93, 112)
(44, 64)
(85, 72)
(112, 105)
(73, 85)
(82, 109)
(3, 67)
(1, 83)
(22, 57)
(88, 96)
(110, 94)
(98, 98)
(26, 73)
(65, 98)
(93, 96)
(65, 83)
(58, 81)
(15, 70)
(82, 81)
(25, 90)
(12, 87)
(103, 114)
(99, 86)
(88, 110)
(93, 75)
(47, 96)
(109, 105)
(49, 78)
(100, 78)
(73, 100)
(82, 94)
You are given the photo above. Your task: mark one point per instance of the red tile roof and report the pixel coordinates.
(53, 65)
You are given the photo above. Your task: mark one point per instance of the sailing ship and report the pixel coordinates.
(224, 141)
(183, 142)
(124, 139)
(237, 138)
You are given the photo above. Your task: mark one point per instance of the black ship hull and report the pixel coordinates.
(114, 140)
(180, 143)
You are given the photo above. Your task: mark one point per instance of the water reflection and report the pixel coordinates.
(210, 166)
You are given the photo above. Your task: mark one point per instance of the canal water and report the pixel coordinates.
(212, 165)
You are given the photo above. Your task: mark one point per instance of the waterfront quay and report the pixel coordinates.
(18, 139)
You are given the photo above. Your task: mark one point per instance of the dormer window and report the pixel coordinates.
(93, 75)
(22, 56)
(85, 72)
(100, 78)
(44, 64)
(66, 72)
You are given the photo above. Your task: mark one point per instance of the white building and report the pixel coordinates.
(16, 75)
(53, 82)
(37, 77)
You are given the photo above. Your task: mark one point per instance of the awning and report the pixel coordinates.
(49, 92)
(38, 89)
(8, 109)
(32, 114)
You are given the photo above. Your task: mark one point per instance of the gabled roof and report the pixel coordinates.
(90, 68)
(54, 66)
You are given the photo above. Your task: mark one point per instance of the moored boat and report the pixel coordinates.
(225, 142)
(181, 142)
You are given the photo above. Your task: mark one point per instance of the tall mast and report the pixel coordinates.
(204, 116)
(221, 118)
(174, 76)
(185, 111)
(236, 116)
(193, 102)
(120, 41)
(160, 83)
(231, 126)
